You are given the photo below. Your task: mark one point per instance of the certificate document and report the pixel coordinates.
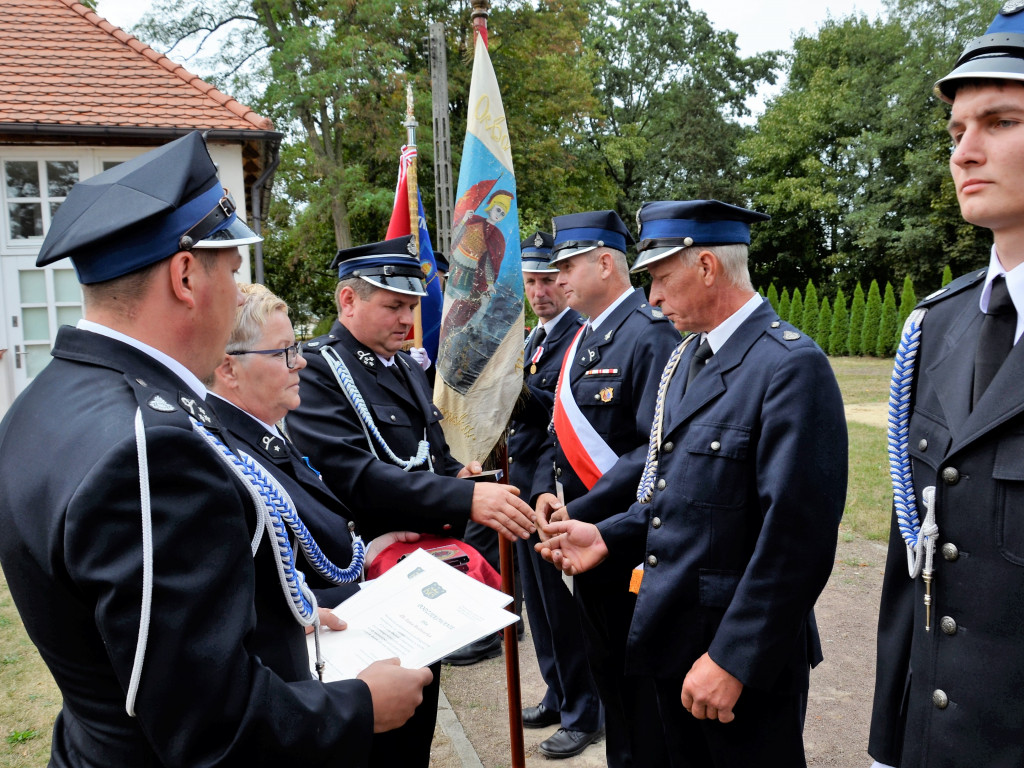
(420, 611)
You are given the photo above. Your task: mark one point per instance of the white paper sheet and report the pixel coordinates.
(420, 611)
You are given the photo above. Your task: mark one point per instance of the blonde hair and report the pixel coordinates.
(251, 318)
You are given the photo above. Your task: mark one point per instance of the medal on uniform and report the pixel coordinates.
(536, 359)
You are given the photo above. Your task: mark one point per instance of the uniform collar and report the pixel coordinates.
(717, 337)
(594, 323)
(183, 373)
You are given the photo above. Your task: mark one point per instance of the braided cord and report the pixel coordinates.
(645, 491)
(278, 516)
(355, 397)
(898, 436)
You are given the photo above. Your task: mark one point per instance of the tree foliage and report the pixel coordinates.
(872, 320)
(839, 337)
(855, 344)
(887, 327)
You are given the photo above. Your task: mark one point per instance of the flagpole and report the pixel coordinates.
(412, 185)
(481, 8)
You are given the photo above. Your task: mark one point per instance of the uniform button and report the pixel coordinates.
(715, 445)
(922, 445)
(950, 476)
(558, 472)
(662, 484)
(597, 397)
(948, 625)
(668, 447)
(511, 432)
(433, 459)
(544, 380)
(652, 561)
(776, 324)
(940, 699)
(950, 551)
(392, 417)
(656, 522)
(511, 460)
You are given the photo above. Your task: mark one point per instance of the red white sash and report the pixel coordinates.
(587, 452)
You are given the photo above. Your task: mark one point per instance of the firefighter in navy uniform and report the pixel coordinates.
(128, 522)
(609, 379)
(571, 698)
(948, 688)
(367, 424)
(736, 517)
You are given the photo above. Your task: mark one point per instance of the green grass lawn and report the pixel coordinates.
(30, 699)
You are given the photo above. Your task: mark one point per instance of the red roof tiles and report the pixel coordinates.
(63, 65)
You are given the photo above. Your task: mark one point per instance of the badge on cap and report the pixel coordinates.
(538, 241)
(1011, 7)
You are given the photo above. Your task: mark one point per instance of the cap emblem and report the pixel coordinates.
(412, 248)
(538, 241)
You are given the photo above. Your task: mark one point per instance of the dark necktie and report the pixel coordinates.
(996, 338)
(697, 362)
(535, 341)
(587, 330)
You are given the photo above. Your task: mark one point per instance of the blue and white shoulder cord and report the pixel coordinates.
(920, 537)
(277, 517)
(355, 397)
(645, 490)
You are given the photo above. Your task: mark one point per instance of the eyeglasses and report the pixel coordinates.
(290, 354)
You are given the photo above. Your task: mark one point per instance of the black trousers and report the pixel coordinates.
(634, 737)
(768, 730)
(409, 746)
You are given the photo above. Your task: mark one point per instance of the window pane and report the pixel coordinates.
(35, 325)
(61, 175)
(26, 220)
(36, 359)
(108, 164)
(32, 284)
(66, 287)
(22, 178)
(68, 315)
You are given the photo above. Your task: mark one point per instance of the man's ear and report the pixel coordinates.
(709, 267)
(346, 301)
(182, 269)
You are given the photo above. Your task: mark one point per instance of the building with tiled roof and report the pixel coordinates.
(78, 95)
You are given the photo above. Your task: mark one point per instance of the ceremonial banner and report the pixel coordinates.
(480, 357)
(400, 226)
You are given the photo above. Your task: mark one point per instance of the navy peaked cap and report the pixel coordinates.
(998, 54)
(536, 251)
(389, 264)
(577, 233)
(142, 211)
(668, 226)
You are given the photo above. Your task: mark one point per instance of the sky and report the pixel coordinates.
(759, 26)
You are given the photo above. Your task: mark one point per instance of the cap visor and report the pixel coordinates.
(538, 266)
(998, 67)
(235, 233)
(398, 283)
(652, 255)
(568, 253)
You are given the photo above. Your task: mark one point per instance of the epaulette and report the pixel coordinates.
(319, 341)
(785, 333)
(960, 284)
(163, 408)
(651, 312)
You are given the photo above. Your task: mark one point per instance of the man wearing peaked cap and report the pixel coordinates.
(736, 516)
(571, 698)
(131, 562)
(367, 423)
(951, 626)
(602, 416)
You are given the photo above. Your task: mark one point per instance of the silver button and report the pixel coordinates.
(668, 447)
(922, 445)
(950, 476)
(948, 625)
(433, 459)
(511, 460)
(940, 699)
(656, 522)
(511, 432)
(950, 551)
(558, 472)
(597, 397)
(544, 380)
(392, 417)
(776, 324)
(652, 561)
(662, 484)
(715, 445)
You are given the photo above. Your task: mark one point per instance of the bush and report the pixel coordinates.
(773, 297)
(872, 320)
(824, 324)
(812, 308)
(839, 338)
(784, 305)
(907, 302)
(886, 345)
(947, 276)
(855, 344)
(796, 310)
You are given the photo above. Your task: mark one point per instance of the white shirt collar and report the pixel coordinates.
(164, 359)
(387, 361)
(594, 323)
(1014, 284)
(549, 325)
(271, 428)
(717, 337)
